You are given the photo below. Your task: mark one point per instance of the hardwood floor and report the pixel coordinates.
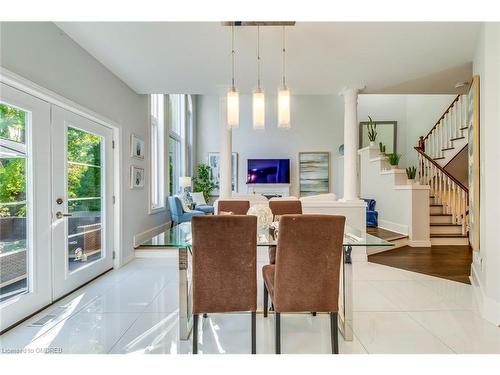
(448, 262)
(385, 234)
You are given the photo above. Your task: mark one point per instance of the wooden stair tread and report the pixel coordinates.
(445, 225)
(447, 235)
(465, 127)
(440, 214)
(448, 148)
(456, 139)
(435, 205)
(440, 158)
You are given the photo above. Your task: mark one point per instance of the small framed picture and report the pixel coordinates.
(137, 146)
(136, 177)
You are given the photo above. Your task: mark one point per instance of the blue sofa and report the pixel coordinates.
(371, 213)
(178, 214)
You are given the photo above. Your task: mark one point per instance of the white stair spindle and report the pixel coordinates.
(458, 118)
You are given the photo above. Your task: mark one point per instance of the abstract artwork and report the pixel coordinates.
(314, 173)
(474, 166)
(214, 163)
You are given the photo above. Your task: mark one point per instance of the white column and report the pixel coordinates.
(226, 148)
(351, 142)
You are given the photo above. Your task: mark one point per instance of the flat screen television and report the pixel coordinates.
(268, 171)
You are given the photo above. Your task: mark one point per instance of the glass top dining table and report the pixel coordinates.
(180, 237)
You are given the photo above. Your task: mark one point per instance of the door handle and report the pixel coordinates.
(60, 215)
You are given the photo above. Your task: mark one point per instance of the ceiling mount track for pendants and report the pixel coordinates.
(258, 23)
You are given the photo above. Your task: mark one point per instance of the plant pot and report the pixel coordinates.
(372, 144)
(410, 181)
(394, 167)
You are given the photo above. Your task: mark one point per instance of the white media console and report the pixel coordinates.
(281, 190)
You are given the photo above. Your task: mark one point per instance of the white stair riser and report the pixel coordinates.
(452, 241)
(446, 229)
(441, 220)
(436, 210)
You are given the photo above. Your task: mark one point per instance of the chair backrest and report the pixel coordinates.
(308, 263)
(237, 207)
(285, 207)
(175, 205)
(198, 198)
(224, 263)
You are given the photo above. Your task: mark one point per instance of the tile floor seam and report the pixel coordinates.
(429, 331)
(123, 334)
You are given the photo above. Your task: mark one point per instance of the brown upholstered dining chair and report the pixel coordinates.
(236, 207)
(224, 267)
(278, 208)
(307, 270)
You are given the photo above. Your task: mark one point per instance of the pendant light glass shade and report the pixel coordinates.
(233, 109)
(284, 108)
(258, 109)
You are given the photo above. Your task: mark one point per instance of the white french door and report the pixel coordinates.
(25, 211)
(82, 199)
(56, 203)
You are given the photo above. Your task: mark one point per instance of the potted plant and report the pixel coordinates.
(411, 172)
(381, 147)
(394, 160)
(202, 181)
(372, 132)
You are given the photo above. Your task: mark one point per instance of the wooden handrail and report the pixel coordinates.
(448, 174)
(442, 117)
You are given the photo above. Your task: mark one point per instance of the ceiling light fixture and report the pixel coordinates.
(233, 97)
(258, 98)
(283, 95)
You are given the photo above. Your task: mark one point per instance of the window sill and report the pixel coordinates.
(153, 211)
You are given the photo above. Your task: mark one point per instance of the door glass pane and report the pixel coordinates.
(13, 203)
(84, 198)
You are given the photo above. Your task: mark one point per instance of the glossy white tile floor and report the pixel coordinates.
(134, 310)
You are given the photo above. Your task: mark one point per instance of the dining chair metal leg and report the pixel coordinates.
(195, 333)
(254, 333)
(278, 333)
(334, 332)
(266, 299)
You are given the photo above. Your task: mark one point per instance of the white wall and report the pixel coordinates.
(317, 125)
(487, 262)
(42, 53)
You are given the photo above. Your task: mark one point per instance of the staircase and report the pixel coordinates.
(449, 198)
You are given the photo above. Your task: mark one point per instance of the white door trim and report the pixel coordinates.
(29, 87)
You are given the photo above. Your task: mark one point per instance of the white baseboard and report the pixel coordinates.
(393, 227)
(140, 238)
(156, 253)
(488, 307)
(419, 243)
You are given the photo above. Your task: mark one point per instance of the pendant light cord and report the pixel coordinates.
(258, 57)
(232, 58)
(284, 53)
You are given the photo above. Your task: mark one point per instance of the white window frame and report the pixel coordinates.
(158, 151)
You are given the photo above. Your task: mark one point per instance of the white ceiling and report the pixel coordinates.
(322, 58)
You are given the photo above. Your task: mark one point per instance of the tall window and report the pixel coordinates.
(180, 139)
(157, 152)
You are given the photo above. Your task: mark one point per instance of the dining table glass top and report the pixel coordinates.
(180, 236)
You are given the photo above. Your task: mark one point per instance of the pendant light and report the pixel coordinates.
(258, 99)
(283, 95)
(233, 97)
